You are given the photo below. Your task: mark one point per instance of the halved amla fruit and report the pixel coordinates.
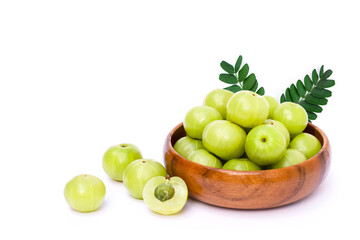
(165, 195)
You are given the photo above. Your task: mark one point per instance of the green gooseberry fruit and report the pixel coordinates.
(224, 139)
(117, 157)
(265, 145)
(281, 127)
(218, 99)
(186, 145)
(138, 172)
(291, 157)
(197, 118)
(306, 143)
(247, 109)
(292, 115)
(273, 103)
(165, 195)
(85, 193)
(241, 164)
(203, 157)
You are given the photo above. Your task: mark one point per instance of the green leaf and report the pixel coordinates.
(282, 98)
(243, 73)
(310, 107)
(239, 75)
(311, 93)
(300, 88)
(315, 76)
(315, 100)
(228, 78)
(249, 82)
(311, 115)
(321, 71)
(308, 83)
(227, 67)
(318, 92)
(261, 91)
(327, 74)
(238, 63)
(294, 93)
(288, 95)
(253, 89)
(325, 83)
(233, 88)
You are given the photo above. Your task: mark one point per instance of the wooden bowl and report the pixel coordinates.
(249, 189)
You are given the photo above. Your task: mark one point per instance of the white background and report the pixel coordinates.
(77, 77)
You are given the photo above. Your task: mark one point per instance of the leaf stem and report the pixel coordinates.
(237, 76)
(307, 93)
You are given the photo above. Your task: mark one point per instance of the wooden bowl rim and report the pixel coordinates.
(324, 140)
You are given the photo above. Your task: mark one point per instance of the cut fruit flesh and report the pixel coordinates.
(171, 205)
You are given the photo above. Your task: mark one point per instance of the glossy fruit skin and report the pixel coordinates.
(224, 139)
(218, 99)
(203, 157)
(306, 143)
(138, 172)
(197, 118)
(170, 206)
(281, 127)
(247, 109)
(186, 145)
(241, 164)
(292, 115)
(265, 145)
(291, 157)
(117, 157)
(85, 193)
(273, 104)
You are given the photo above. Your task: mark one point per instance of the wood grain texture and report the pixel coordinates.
(249, 189)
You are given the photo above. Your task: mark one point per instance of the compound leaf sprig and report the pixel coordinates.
(312, 93)
(239, 78)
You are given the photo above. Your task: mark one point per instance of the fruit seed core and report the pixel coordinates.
(164, 192)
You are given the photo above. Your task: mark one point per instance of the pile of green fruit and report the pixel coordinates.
(144, 179)
(237, 128)
(246, 131)
(237, 131)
